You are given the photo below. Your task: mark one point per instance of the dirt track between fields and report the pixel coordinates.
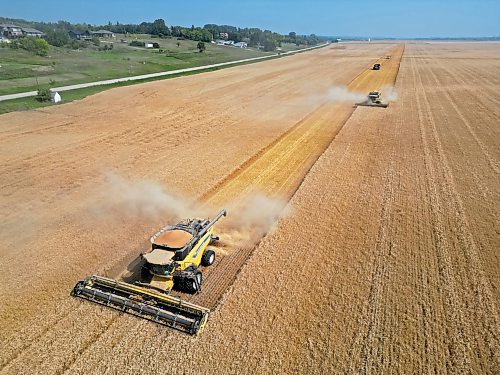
(387, 261)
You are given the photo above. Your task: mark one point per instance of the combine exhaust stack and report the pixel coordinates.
(146, 303)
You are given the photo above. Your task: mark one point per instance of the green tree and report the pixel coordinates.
(269, 45)
(159, 28)
(44, 95)
(201, 46)
(37, 46)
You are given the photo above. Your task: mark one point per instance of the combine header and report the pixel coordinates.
(160, 308)
(177, 252)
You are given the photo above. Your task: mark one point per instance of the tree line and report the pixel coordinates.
(56, 32)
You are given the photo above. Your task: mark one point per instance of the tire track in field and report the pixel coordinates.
(459, 330)
(372, 355)
(481, 293)
(410, 237)
(368, 352)
(82, 339)
(484, 149)
(12, 354)
(488, 87)
(466, 79)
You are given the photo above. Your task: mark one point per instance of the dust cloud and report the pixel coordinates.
(337, 94)
(390, 93)
(252, 218)
(248, 219)
(140, 199)
(342, 94)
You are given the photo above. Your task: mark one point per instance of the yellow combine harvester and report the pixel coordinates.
(173, 262)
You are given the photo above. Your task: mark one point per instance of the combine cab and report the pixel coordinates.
(374, 99)
(176, 253)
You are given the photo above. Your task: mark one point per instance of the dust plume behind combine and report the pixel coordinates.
(337, 94)
(250, 219)
(342, 94)
(390, 93)
(124, 198)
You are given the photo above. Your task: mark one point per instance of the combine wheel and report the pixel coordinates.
(199, 277)
(208, 258)
(192, 283)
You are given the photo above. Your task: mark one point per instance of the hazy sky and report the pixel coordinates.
(390, 18)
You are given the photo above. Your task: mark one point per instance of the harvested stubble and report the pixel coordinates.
(56, 162)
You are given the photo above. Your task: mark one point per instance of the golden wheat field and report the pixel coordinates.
(358, 240)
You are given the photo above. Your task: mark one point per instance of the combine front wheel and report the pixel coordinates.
(193, 283)
(208, 258)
